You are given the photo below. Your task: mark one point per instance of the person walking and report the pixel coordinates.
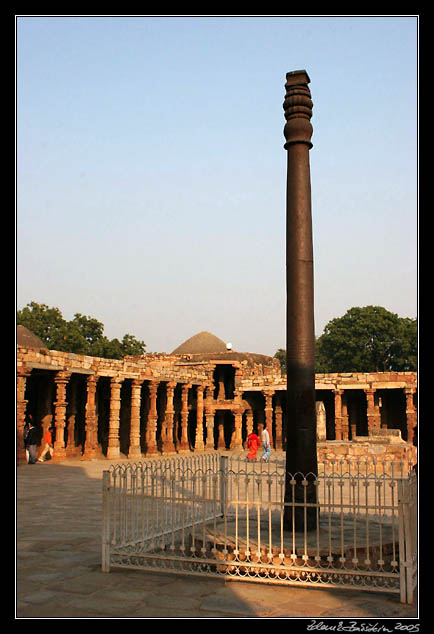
(265, 439)
(49, 445)
(253, 443)
(31, 442)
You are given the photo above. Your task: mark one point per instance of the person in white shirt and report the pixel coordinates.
(265, 439)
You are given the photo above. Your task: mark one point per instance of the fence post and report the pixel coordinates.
(223, 483)
(411, 534)
(105, 563)
(407, 537)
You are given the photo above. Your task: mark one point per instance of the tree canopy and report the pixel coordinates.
(81, 335)
(368, 339)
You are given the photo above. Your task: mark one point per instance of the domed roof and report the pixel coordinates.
(202, 343)
(27, 339)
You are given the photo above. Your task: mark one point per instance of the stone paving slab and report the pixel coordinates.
(58, 573)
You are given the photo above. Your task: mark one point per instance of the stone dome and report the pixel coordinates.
(28, 339)
(207, 347)
(201, 343)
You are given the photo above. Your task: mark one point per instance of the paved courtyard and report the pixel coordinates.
(58, 567)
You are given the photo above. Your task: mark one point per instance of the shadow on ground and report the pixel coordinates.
(59, 566)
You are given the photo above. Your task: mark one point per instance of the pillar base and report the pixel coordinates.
(113, 453)
(168, 448)
(59, 452)
(183, 449)
(21, 456)
(92, 453)
(134, 453)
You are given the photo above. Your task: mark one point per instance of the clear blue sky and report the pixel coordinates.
(151, 172)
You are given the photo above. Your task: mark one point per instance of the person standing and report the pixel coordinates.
(265, 439)
(31, 442)
(25, 434)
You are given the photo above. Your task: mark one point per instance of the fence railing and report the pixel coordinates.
(214, 514)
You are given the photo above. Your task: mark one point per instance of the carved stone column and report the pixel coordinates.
(260, 419)
(410, 413)
(168, 445)
(221, 384)
(71, 449)
(237, 439)
(151, 427)
(183, 445)
(338, 414)
(249, 421)
(47, 416)
(321, 421)
(209, 417)
(268, 411)
(113, 448)
(136, 399)
(345, 419)
(198, 443)
(373, 417)
(301, 452)
(221, 444)
(91, 419)
(278, 417)
(22, 374)
(61, 380)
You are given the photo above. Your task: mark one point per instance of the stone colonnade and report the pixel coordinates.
(208, 415)
(373, 413)
(161, 404)
(160, 433)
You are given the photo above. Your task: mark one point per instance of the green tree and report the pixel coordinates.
(132, 346)
(368, 339)
(281, 355)
(47, 323)
(81, 335)
(91, 329)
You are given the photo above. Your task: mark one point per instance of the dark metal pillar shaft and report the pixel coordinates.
(301, 453)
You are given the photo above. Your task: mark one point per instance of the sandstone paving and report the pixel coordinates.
(58, 567)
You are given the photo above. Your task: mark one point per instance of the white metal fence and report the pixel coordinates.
(214, 514)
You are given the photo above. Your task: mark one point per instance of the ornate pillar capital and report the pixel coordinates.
(62, 377)
(23, 371)
(298, 109)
